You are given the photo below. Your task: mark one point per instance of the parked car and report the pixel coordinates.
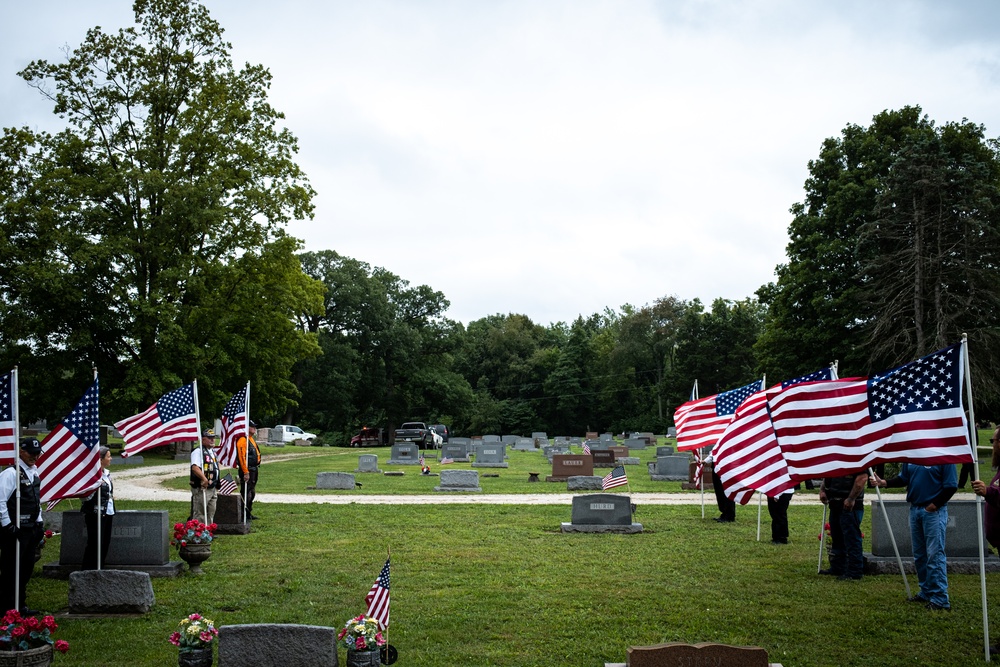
(441, 430)
(370, 437)
(415, 432)
(287, 433)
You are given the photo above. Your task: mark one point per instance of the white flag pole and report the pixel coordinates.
(974, 442)
(16, 519)
(197, 419)
(892, 536)
(822, 541)
(246, 454)
(760, 502)
(98, 508)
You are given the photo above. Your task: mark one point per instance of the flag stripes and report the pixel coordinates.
(69, 465)
(378, 598)
(8, 436)
(170, 419)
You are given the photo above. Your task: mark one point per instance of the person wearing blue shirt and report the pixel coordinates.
(928, 490)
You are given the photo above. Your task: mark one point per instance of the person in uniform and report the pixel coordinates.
(21, 528)
(204, 479)
(247, 464)
(105, 510)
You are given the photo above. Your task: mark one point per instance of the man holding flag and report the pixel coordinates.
(247, 465)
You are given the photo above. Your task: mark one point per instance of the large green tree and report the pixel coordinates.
(147, 236)
(892, 253)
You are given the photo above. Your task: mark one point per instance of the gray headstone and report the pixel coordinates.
(598, 444)
(368, 463)
(602, 513)
(524, 445)
(459, 480)
(509, 439)
(461, 441)
(455, 451)
(961, 535)
(672, 432)
(664, 451)
(584, 483)
(635, 443)
(110, 592)
(672, 468)
(491, 438)
(404, 453)
(269, 644)
(334, 480)
(607, 436)
(491, 455)
(138, 537)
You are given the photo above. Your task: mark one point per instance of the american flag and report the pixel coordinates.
(227, 485)
(747, 457)
(170, 419)
(699, 468)
(378, 598)
(912, 413)
(234, 427)
(421, 461)
(586, 447)
(70, 464)
(8, 437)
(701, 423)
(616, 477)
(445, 461)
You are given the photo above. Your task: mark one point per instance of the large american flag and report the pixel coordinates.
(170, 419)
(8, 435)
(747, 457)
(700, 423)
(70, 463)
(616, 477)
(234, 426)
(378, 598)
(912, 413)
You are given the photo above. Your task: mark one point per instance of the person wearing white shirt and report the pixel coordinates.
(204, 479)
(105, 509)
(21, 527)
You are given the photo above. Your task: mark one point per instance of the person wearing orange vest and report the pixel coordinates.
(247, 463)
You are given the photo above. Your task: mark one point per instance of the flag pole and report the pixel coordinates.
(892, 536)
(822, 541)
(974, 443)
(246, 454)
(98, 507)
(16, 519)
(197, 419)
(759, 503)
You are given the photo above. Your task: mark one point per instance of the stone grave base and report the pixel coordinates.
(268, 644)
(490, 465)
(691, 486)
(232, 528)
(627, 461)
(110, 592)
(559, 478)
(171, 569)
(584, 483)
(592, 528)
(359, 470)
(676, 653)
(956, 564)
(669, 478)
(394, 462)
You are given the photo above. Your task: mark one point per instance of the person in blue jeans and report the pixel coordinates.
(928, 490)
(846, 498)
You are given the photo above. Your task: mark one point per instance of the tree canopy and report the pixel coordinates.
(146, 238)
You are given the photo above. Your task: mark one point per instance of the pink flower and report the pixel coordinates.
(359, 644)
(62, 645)
(195, 617)
(175, 639)
(184, 543)
(206, 636)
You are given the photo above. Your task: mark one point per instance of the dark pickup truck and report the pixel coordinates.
(414, 432)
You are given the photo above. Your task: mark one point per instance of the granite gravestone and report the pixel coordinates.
(674, 654)
(591, 435)
(603, 458)
(510, 439)
(110, 592)
(140, 541)
(664, 451)
(585, 483)
(461, 441)
(491, 438)
(619, 451)
(565, 466)
(491, 456)
(594, 445)
(602, 513)
(524, 445)
(456, 452)
(635, 443)
(229, 517)
(367, 463)
(269, 644)
(459, 480)
(404, 453)
(342, 481)
(671, 469)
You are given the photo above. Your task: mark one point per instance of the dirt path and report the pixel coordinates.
(146, 483)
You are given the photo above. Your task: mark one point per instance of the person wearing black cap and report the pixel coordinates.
(21, 527)
(204, 479)
(247, 464)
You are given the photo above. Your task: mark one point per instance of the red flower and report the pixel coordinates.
(12, 616)
(62, 645)
(359, 643)
(50, 623)
(178, 526)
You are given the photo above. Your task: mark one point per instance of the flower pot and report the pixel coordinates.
(199, 657)
(33, 657)
(194, 555)
(364, 658)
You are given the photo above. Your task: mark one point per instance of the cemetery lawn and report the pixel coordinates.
(500, 585)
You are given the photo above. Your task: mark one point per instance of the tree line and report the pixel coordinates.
(147, 239)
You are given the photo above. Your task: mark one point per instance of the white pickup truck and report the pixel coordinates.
(287, 433)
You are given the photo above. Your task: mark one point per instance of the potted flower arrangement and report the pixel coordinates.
(363, 640)
(194, 542)
(194, 637)
(28, 640)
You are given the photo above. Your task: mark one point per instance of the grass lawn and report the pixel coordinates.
(501, 585)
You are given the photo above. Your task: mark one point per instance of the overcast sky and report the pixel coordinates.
(557, 158)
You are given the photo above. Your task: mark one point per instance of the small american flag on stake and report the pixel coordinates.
(616, 477)
(227, 485)
(586, 448)
(378, 598)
